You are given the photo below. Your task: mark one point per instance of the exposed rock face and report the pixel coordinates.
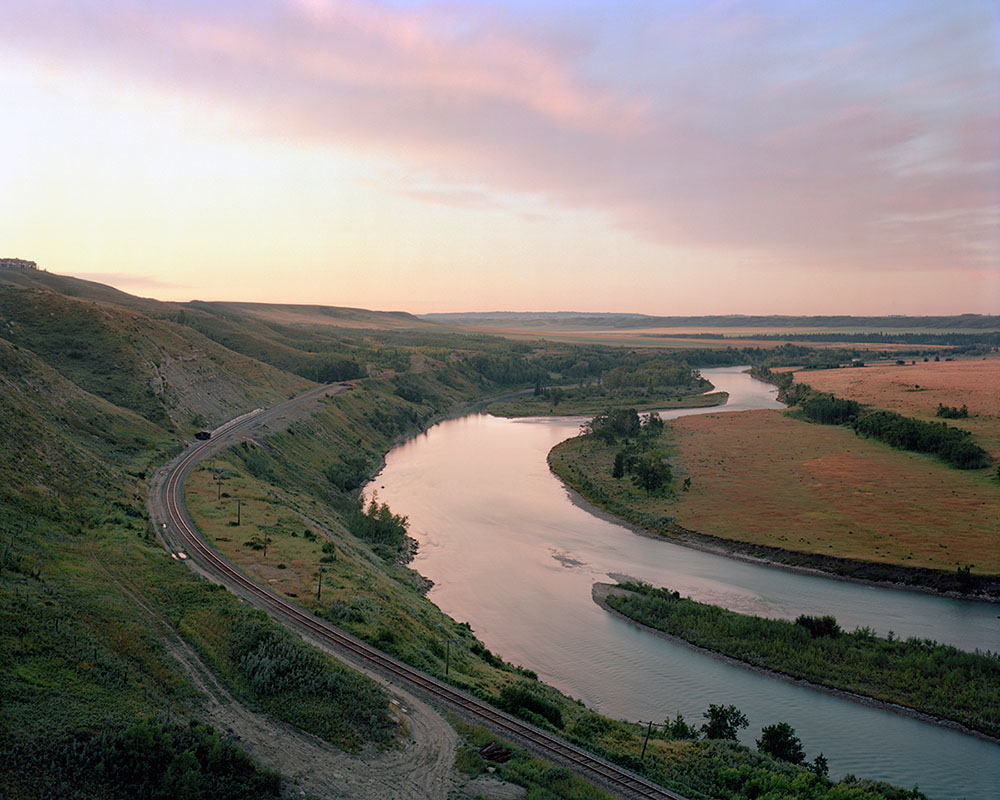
(17, 263)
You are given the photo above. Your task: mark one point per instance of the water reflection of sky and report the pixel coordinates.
(510, 553)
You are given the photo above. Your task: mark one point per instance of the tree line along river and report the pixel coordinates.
(510, 552)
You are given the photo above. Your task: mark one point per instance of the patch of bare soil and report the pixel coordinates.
(493, 789)
(421, 768)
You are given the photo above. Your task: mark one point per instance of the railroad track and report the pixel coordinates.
(181, 536)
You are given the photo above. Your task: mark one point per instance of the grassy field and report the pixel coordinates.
(916, 390)
(764, 478)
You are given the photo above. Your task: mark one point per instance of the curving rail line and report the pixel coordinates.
(178, 529)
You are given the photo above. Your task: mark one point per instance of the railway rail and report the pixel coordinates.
(181, 536)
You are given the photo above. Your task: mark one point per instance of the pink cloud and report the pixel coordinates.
(714, 126)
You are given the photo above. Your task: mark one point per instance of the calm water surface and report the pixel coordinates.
(510, 553)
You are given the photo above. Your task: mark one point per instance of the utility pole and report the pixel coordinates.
(447, 654)
(319, 586)
(266, 529)
(646, 740)
(238, 513)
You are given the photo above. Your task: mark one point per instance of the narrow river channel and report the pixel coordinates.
(510, 553)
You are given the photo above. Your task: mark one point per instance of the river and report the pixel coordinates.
(510, 553)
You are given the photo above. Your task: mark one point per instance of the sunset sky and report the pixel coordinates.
(671, 157)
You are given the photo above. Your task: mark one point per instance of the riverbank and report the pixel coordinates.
(601, 591)
(860, 572)
(821, 494)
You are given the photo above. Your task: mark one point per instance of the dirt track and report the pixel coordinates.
(421, 767)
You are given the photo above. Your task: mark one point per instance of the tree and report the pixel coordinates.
(679, 729)
(779, 740)
(613, 423)
(618, 470)
(819, 626)
(652, 424)
(724, 722)
(820, 766)
(651, 473)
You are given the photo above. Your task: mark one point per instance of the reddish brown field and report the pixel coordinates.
(916, 390)
(762, 477)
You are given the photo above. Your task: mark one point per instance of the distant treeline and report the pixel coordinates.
(934, 678)
(952, 445)
(964, 340)
(564, 319)
(984, 338)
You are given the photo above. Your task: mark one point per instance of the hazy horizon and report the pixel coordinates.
(677, 159)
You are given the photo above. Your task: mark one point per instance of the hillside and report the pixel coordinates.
(93, 611)
(164, 372)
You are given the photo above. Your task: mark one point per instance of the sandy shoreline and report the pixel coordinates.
(600, 592)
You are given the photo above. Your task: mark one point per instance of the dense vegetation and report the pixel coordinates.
(276, 671)
(954, 446)
(151, 760)
(952, 412)
(656, 379)
(933, 678)
(618, 463)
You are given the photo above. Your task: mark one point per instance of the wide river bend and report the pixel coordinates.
(510, 552)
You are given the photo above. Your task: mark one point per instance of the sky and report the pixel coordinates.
(668, 157)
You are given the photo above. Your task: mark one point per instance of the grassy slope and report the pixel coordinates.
(313, 317)
(164, 372)
(80, 652)
(765, 479)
